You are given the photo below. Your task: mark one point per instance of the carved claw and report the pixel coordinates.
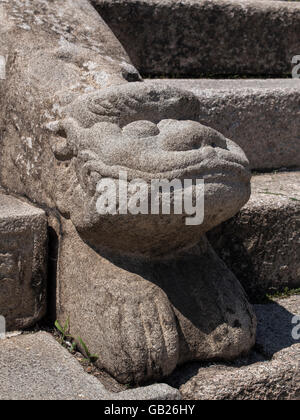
(142, 331)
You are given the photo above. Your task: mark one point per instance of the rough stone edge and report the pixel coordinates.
(159, 391)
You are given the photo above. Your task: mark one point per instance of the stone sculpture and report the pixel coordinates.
(145, 292)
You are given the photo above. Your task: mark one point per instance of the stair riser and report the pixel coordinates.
(261, 245)
(193, 38)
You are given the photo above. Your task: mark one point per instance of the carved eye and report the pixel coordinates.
(62, 151)
(141, 129)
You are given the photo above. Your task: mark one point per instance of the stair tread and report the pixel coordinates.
(228, 85)
(275, 189)
(11, 208)
(261, 115)
(271, 371)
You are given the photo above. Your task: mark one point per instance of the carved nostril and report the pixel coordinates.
(61, 132)
(140, 129)
(182, 142)
(62, 151)
(188, 136)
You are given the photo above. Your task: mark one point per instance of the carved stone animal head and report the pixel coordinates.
(149, 133)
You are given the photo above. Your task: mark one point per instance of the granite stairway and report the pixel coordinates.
(186, 43)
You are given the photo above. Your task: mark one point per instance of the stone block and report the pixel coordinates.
(23, 244)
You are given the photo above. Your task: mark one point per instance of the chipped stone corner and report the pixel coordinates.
(2, 67)
(2, 327)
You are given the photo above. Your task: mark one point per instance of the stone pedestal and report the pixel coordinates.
(23, 240)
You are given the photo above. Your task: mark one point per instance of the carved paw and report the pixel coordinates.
(141, 327)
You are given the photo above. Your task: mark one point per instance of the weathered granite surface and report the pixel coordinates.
(255, 377)
(144, 317)
(131, 284)
(264, 250)
(37, 367)
(260, 381)
(23, 247)
(193, 38)
(261, 116)
(275, 324)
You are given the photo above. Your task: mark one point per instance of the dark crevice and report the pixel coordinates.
(52, 275)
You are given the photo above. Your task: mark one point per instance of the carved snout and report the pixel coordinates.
(183, 136)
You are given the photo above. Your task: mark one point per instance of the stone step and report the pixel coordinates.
(270, 372)
(195, 38)
(37, 367)
(23, 244)
(262, 116)
(261, 244)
